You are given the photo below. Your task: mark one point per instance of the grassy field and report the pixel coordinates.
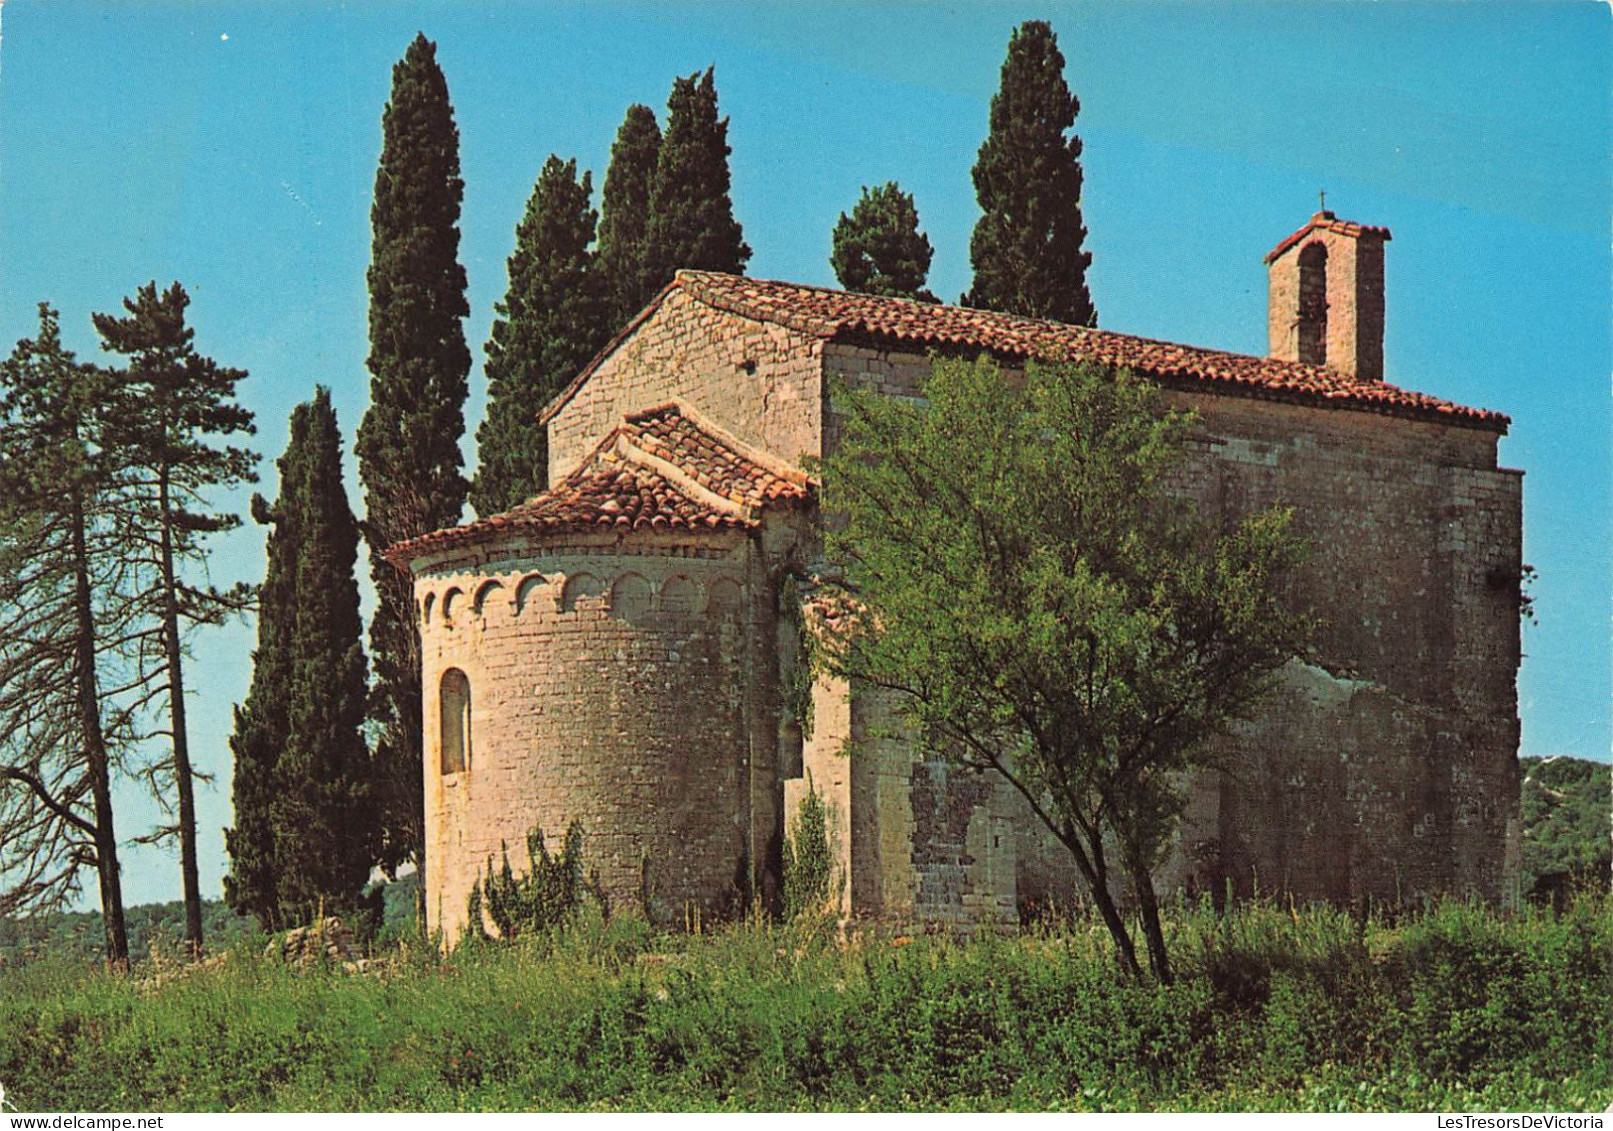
(1455, 1009)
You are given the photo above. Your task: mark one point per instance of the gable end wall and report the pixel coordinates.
(758, 380)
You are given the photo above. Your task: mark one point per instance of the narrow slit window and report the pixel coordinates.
(454, 708)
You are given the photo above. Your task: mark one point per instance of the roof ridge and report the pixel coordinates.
(678, 478)
(827, 315)
(761, 457)
(698, 276)
(698, 286)
(1329, 222)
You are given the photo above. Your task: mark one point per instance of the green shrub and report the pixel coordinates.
(808, 865)
(544, 899)
(1274, 1008)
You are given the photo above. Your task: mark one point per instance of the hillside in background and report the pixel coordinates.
(153, 924)
(1567, 819)
(163, 924)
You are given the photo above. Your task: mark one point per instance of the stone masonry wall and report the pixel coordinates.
(1384, 769)
(1355, 303)
(914, 840)
(759, 380)
(611, 685)
(1387, 769)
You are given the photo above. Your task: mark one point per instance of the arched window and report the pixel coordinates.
(1311, 317)
(454, 711)
(724, 599)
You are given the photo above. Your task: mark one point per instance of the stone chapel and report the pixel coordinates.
(613, 650)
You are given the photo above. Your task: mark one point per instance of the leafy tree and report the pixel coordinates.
(1566, 819)
(879, 250)
(1041, 605)
(691, 222)
(624, 212)
(304, 832)
(1026, 250)
(69, 615)
(555, 316)
(408, 442)
(172, 407)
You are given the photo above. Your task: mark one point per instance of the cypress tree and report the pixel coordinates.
(1026, 249)
(554, 317)
(691, 217)
(408, 442)
(261, 728)
(879, 250)
(170, 404)
(624, 211)
(304, 831)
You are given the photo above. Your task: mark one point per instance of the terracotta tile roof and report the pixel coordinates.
(717, 461)
(659, 470)
(1325, 221)
(903, 324)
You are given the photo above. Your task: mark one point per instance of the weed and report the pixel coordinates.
(1275, 1008)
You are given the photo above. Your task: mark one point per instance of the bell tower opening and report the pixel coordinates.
(1326, 296)
(1310, 319)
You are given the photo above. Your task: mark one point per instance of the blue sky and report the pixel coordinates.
(232, 146)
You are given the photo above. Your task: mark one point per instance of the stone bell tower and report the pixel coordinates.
(1326, 296)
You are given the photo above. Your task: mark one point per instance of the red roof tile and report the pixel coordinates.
(1325, 221)
(658, 470)
(901, 323)
(916, 326)
(717, 461)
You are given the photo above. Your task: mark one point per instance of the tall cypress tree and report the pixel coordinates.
(251, 887)
(304, 825)
(408, 443)
(555, 316)
(879, 250)
(1026, 248)
(691, 217)
(624, 212)
(173, 407)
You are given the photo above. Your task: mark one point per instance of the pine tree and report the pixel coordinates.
(69, 617)
(691, 217)
(1026, 248)
(624, 210)
(304, 830)
(555, 316)
(408, 442)
(170, 404)
(879, 250)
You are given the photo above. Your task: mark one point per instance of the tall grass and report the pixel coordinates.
(1458, 1008)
